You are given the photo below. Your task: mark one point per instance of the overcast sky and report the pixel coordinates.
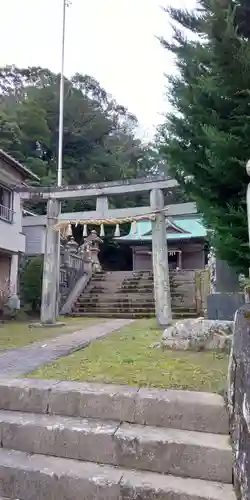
(112, 40)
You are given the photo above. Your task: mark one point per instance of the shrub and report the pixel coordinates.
(5, 292)
(31, 282)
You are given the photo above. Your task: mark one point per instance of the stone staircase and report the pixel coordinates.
(118, 294)
(79, 441)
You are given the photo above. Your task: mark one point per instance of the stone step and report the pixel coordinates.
(138, 289)
(93, 291)
(106, 301)
(131, 294)
(169, 451)
(39, 477)
(108, 305)
(123, 275)
(102, 307)
(121, 284)
(126, 272)
(185, 410)
(134, 296)
(124, 279)
(116, 315)
(116, 302)
(119, 310)
(118, 297)
(145, 279)
(117, 294)
(101, 299)
(117, 277)
(116, 306)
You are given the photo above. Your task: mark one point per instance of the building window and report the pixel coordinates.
(6, 211)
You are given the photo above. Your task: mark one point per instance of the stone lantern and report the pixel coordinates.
(92, 244)
(70, 248)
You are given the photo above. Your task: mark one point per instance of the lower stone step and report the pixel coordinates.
(120, 296)
(116, 300)
(39, 477)
(114, 307)
(170, 451)
(116, 315)
(107, 314)
(116, 303)
(107, 289)
(186, 410)
(103, 308)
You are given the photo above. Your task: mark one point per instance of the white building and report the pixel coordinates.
(12, 239)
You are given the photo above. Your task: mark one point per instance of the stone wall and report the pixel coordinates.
(239, 402)
(189, 290)
(70, 271)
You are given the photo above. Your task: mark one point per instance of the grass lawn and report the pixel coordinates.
(126, 357)
(18, 334)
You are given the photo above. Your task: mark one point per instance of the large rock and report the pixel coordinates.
(198, 334)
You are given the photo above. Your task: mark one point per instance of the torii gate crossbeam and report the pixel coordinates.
(94, 190)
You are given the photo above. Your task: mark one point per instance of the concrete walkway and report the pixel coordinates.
(16, 362)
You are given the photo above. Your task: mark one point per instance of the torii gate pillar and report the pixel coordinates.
(50, 286)
(160, 260)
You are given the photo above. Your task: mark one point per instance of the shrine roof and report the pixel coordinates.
(184, 228)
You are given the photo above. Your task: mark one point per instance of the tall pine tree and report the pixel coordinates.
(206, 137)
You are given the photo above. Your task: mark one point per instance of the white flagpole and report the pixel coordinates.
(61, 102)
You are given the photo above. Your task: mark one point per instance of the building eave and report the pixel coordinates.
(24, 171)
(142, 240)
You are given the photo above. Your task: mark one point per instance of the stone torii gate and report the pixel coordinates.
(156, 212)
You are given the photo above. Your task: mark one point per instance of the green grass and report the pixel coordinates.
(19, 334)
(126, 357)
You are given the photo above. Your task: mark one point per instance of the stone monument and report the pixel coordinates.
(225, 296)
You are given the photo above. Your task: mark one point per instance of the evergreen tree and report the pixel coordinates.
(206, 136)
